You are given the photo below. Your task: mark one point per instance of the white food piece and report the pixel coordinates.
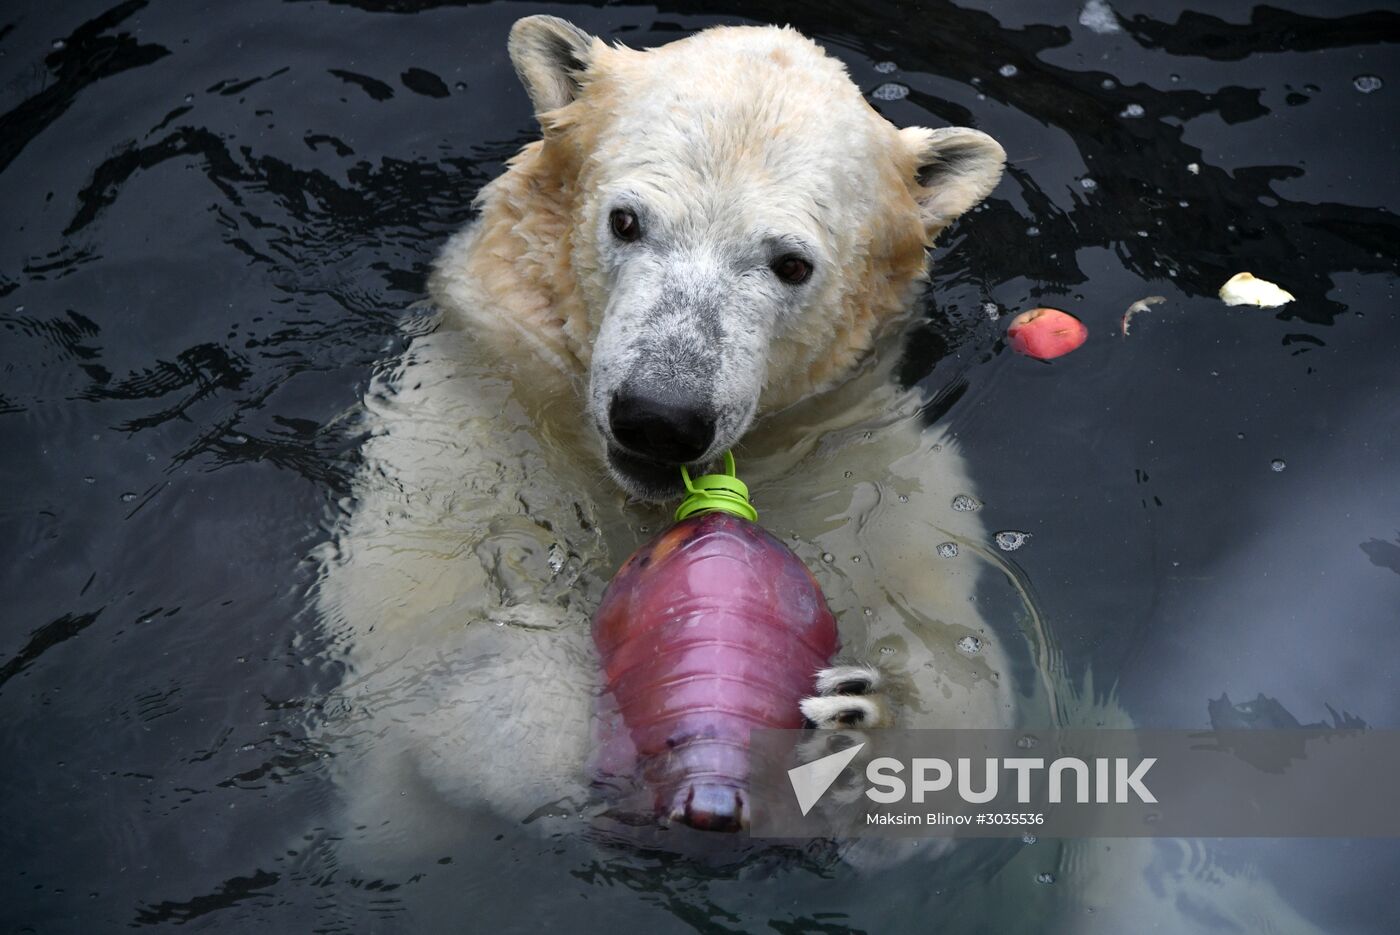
(1141, 305)
(1098, 16)
(1245, 289)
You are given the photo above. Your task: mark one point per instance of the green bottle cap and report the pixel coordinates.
(723, 492)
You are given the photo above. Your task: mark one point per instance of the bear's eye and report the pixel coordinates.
(792, 269)
(625, 226)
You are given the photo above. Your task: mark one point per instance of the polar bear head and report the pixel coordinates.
(708, 231)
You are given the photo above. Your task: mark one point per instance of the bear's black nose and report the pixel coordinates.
(660, 427)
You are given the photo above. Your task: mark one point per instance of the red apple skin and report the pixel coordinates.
(1046, 333)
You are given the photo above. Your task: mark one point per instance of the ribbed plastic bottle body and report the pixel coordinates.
(712, 629)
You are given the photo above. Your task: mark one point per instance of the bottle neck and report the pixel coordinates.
(710, 493)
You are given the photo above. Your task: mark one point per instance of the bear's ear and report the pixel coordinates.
(550, 55)
(955, 169)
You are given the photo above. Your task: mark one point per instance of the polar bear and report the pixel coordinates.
(712, 248)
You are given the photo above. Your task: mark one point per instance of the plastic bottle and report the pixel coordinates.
(710, 630)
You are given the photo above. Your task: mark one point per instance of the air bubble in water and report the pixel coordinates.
(1367, 83)
(128, 497)
(970, 645)
(1132, 110)
(904, 498)
(1010, 540)
(966, 504)
(991, 310)
(1008, 71)
(1088, 184)
(890, 91)
(828, 557)
(1277, 465)
(59, 45)
(1032, 232)
(1045, 878)
(947, 550)
(1029, 838)
(885, 68)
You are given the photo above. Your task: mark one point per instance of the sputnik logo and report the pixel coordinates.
(811, 780)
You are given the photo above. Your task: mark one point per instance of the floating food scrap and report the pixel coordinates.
(1246, 289)
(1045, 333)
(1098, 16)
(1141, 305)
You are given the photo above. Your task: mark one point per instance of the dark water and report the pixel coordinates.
(216, 216)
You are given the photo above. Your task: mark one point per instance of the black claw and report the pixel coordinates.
(838, 742)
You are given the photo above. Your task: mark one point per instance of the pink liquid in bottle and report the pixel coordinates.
(710, 630)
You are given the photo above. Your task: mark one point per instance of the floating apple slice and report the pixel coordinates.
(1247, 289)
(1141, 305)
(1045, 333)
